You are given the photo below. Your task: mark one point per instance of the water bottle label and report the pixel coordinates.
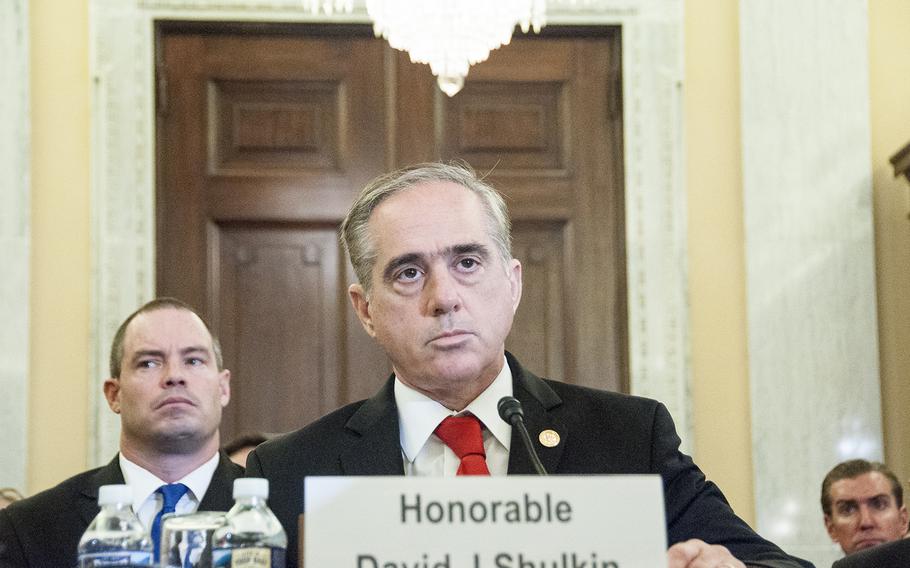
(248, 558)
(100, 559)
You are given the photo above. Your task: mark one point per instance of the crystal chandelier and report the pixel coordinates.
(448, 35)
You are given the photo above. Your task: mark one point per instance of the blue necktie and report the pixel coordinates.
(187, 563)
(171, 493)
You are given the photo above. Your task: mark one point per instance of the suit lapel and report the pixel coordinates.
(88, 495)
(375, 448)
(218, 495)
(537, 399)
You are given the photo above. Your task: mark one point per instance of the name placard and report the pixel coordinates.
(485, 522)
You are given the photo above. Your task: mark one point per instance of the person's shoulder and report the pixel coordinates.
(588, 397)
(228, 468)
(572, 396)
(51, 500)
(317, 434)
(888, 555)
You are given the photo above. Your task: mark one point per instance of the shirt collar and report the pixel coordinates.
(419, 415)
(144, 483)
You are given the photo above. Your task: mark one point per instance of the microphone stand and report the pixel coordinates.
(511, 412)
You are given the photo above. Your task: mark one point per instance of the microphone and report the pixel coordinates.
(511, 412)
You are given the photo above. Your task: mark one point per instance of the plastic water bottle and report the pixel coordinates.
(253, 537)
(115, 537)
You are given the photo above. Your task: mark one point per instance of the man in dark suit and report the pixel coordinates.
(894, 554)
(168, 386)
(438, 289)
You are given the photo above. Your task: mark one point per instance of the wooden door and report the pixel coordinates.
(267, 133)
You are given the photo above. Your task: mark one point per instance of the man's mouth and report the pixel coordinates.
(868, 543)
(450, 337)
(175, 401)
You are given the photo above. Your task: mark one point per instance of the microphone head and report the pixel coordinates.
(510, 409)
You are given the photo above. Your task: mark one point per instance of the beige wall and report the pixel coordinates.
(58, 423)
(59, 418)
(889, 52)
(720, 378)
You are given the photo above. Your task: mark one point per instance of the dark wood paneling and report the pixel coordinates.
(255, 128)
(279, 323)
(507, 125)
(539, 329)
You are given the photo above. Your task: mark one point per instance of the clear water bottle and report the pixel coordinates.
(253, 537)
(115, 537)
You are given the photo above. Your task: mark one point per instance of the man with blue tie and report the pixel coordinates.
(169, 387)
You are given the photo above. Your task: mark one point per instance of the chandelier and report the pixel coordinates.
(448, 35)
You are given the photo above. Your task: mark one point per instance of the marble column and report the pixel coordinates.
(810, 266)
(14, 241)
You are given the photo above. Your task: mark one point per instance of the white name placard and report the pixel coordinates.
(485, 522)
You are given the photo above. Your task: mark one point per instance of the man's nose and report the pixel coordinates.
(866, 517)
(442, 293)
(173, 374)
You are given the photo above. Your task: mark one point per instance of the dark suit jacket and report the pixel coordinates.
(889, 555)
(601, 433)
(44, 531)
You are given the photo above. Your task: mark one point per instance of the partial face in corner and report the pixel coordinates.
(864, 513)
(170, 393)
(443, 298)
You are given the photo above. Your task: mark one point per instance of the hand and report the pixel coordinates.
(699, 554)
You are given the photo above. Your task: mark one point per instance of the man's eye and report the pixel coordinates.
(408, 275)
(195, 361)
(147, 364)
(468, 263)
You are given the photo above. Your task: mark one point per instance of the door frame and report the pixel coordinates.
(123, 180)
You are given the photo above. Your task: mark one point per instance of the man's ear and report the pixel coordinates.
(224, 378)
(361, 304)
(905, 517)
(112, 394)
(829, 526)
(514, 273)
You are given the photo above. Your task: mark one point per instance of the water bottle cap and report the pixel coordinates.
(251, 487)
(110, 494)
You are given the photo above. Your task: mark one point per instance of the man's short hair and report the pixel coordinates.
(852, 469)
(153, 306)
(354, 229)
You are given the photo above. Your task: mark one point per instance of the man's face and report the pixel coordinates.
(443, 299)
(864, 512)
(170, 393)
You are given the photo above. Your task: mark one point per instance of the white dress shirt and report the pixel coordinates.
(418, 416)
(147, 503)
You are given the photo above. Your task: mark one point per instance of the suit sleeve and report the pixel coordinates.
(11, 554)
(696, 508)
(889, 555)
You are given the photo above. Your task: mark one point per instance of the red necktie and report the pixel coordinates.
(463, 435)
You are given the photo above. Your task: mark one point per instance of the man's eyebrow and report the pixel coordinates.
(194, 349)
(469, 248)
(160, 354)
(388, 274)
(879, 496)
(147, 353)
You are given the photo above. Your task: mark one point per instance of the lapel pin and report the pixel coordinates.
(549, 438)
